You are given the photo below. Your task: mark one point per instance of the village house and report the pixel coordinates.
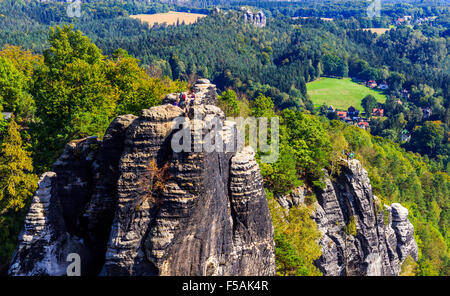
(399, 21)
(383, 85)
(405, 136)
(405, 93)
(341, 114)
(353, 113)
(363, 124)
(404, 20)
(331, 109)
(407, 17)
(378, 112)
(420, 20)
(371, 84)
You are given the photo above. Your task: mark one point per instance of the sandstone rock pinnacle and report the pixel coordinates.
(210, 216)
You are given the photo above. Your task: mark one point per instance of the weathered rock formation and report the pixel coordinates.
(384, 235)
(209, 213)
(257, 19)
(44, 242)
(210, 217)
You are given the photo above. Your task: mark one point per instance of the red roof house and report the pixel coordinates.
(363, 124)
(371, 83)
(378, 112)
(341, 114)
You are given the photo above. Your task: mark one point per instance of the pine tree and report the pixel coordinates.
(17, 182)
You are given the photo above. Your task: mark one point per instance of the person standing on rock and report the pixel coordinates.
(192, 101)
(177, 102)
(180, 99)
(183, 101)
(189, 102)
(348, 154)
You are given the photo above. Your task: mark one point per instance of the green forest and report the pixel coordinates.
(67, 78)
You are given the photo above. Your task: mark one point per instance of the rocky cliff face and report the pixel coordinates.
(209, 218)
(382, 236)
(257, 19)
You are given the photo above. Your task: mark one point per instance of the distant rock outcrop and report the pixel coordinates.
(382, 238)
(257, 19)
(210, 218)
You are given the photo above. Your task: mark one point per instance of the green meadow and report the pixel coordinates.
(341, 93)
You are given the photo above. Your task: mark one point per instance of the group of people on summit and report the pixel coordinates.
(185, 100)
(349, 154)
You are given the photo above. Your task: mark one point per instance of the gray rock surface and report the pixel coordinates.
(295, 198)
(404, 231)
(209, 218)
(44, 243)
(99, 212)
(205, 93)
(377, 248)
(257, 19)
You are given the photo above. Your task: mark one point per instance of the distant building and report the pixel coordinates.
(420, 20)
(383, 85)
(371, 84)
(341, 114)
(353, 113)
(331, 109)
(348, 120)
(405, 93)
(405, 136)
(407, 17)
(363, 124)
(378, 112)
